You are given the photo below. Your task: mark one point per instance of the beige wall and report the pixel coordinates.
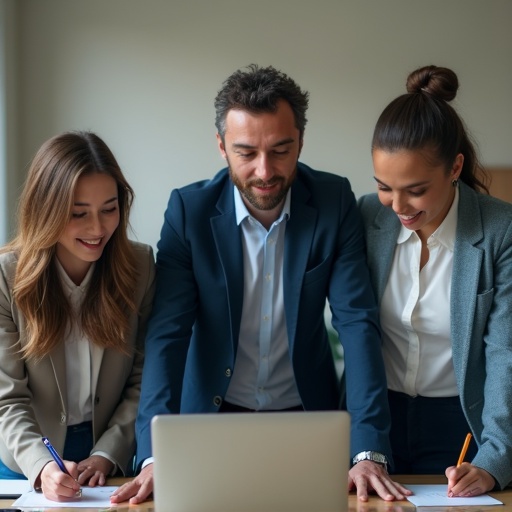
(9, 140)
(143, 74)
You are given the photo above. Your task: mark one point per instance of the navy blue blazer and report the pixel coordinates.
(480, 314)
(193, 332)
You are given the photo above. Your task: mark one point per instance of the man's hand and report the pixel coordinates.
(368, 476)
(468, 480)
(56, 485)
(94, 470)
(137, 490)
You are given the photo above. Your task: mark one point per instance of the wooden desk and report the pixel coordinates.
(143, 507)
(373, 505)
(377, 505)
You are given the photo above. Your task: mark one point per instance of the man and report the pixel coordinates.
(245, 264)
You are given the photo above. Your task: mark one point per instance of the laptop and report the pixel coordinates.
(251, 462)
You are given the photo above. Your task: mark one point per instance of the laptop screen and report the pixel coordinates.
(251, 462)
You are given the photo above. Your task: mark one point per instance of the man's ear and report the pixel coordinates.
(220, 145)
(301, 143)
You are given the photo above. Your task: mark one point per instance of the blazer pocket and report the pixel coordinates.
(319, 272)
(484, 303)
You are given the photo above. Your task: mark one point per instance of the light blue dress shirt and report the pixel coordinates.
(263, 377)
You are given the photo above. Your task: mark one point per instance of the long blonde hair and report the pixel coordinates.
(44, 212)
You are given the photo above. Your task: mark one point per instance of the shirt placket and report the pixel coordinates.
(413, 352)
(267, 311)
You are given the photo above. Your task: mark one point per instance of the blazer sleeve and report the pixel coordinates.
(495, 303)
(21, 448)
(355, 317)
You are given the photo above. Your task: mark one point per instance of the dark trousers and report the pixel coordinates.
(79, 442)
(427, 434)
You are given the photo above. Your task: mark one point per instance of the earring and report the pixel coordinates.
(455, 183)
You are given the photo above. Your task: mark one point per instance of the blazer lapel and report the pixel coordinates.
(58, 361)
(467, 264)
(228, 242)
(381, 239)
(300, 229)
(96, 360)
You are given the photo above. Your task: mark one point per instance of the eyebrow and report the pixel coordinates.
(283, 142)
(108, 201)
(412, 185)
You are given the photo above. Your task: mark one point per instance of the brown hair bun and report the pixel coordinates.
(441, 83)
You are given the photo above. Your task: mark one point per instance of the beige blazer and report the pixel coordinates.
(33, 398)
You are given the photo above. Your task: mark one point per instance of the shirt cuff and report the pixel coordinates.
(147, 462)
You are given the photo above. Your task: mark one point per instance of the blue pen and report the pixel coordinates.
(58, 460)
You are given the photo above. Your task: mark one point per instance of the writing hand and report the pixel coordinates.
(57, 485)
(468, 480)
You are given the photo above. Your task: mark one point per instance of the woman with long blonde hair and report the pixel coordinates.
(75, 294)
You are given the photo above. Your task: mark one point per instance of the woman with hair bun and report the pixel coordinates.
(75, 295)
(440, 256)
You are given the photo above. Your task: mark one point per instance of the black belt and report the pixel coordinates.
(229, 407)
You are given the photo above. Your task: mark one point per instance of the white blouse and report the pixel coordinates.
(78, 353)
(83, 358)
(415, 313)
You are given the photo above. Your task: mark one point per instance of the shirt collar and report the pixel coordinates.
(242, 212)
(66, 281)
(445, 233)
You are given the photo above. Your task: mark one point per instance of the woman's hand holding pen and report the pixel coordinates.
(467, 480)
(94, 470)
(57, 485)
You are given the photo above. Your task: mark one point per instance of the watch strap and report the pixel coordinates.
(377, 457)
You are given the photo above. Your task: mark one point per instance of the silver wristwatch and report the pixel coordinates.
(373, 456)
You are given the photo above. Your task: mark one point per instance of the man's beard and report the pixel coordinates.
(267, 201)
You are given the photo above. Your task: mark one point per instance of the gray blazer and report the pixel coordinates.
(33, 395)
(481, 314)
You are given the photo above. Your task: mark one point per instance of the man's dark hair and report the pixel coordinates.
(259, 90)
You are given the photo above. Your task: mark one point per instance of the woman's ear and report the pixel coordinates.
(457, 167)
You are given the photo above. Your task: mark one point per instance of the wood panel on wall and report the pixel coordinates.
(501, 185)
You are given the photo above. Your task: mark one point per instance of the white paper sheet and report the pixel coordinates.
(93, 497)
(435, 496)
(13, 488)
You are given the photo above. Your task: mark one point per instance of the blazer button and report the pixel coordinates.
(228, 372)
(217, 400)
(97, 400)
(62, 418)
